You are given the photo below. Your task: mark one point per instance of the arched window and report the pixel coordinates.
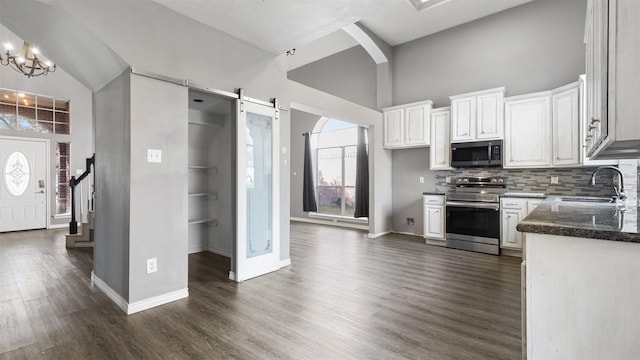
(336, 166)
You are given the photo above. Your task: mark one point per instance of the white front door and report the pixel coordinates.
(23, 194)
(258, 208)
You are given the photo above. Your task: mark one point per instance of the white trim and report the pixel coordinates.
(375, 236)
(285, 263)
(197, 249)
(58, 226)
(366, 42)
(334, 222)
(434, 242)
(107, 290)
(221, 252)
(62, 216)
(138, 305)
(511, 252)
(157, 301)
(232, 276)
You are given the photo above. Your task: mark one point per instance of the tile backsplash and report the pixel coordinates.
(573, 181)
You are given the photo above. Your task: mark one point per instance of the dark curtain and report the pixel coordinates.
(362, 175)
(308, 188)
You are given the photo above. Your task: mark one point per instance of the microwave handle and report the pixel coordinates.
(489, 150)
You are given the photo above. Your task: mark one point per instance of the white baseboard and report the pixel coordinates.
(285, 263)
(221, 252)
(232, 276)
(107, 290)
(138, 305)
(58, 226)
(375, 236)
(511, 252)
(434, 242)
(157, 301)
(197, 249)
(331, 222)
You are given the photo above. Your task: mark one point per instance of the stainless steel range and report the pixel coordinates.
(473, 214)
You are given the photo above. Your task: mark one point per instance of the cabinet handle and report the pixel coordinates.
(591, 127)
(465, 134)
(482, 132)
(594, 120)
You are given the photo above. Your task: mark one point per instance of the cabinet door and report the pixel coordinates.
(597, 52)
(585, 142)
(440, 150)
(528, 132)
(463, 119)
(393, 120)
(511, 238)
(416, 126)
(434, 222)
(490, 122)
(566, 127)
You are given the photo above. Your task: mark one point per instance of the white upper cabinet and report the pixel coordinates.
(407, 126)
(566, 125)
(584, 129)
(463, 120)
(528, 131)
(393, 120)
(440, 150)
(612, 35)
(477, 115)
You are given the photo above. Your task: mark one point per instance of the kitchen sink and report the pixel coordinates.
(587, 199)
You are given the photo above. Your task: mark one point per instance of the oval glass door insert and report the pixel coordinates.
(17, 173)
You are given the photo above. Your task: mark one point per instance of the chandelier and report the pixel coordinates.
(26, 61)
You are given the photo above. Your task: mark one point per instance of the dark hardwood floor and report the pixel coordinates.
(343, 297)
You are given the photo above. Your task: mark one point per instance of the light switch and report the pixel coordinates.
(154, 156)
(421, 179)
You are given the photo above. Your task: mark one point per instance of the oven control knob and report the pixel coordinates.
(494, 180)
(465, 180)
(500, 180)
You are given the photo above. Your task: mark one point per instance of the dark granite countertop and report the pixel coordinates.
(524, 195)
(434, 193)
(586, 220)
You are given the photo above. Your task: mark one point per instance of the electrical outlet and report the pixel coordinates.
(421, 179)
(448, 180)
(410, 221)
(154, 156)
(152, 265)
(554, 180)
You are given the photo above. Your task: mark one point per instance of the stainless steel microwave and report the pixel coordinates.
(477, 154)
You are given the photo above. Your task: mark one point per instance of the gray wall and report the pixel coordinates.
(158, 197)
(143, 39)
(350, 74)
(301, 122)
(113, 178)
(533, 47)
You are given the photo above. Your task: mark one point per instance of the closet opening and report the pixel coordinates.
(211, 180)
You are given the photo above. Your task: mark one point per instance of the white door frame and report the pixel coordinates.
(262, 264)
(47, 142)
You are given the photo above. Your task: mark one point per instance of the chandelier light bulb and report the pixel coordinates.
(26, 61)
(8, 46)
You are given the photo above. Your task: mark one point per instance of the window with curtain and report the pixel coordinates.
(336, 168)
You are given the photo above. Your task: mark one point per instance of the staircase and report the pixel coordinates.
(85, 237)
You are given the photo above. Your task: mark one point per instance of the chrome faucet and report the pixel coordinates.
(620, 193)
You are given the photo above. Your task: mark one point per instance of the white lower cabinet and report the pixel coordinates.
(434, 217)
(512, 211)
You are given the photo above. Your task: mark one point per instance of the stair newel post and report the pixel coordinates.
(73, 225)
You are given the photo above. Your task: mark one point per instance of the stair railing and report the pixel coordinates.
(73, 225)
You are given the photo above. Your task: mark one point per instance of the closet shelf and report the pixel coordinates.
(203, 221)
(214, 169)
(212, 195)
(204, 124)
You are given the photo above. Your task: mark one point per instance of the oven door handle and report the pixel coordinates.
(477, 205)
